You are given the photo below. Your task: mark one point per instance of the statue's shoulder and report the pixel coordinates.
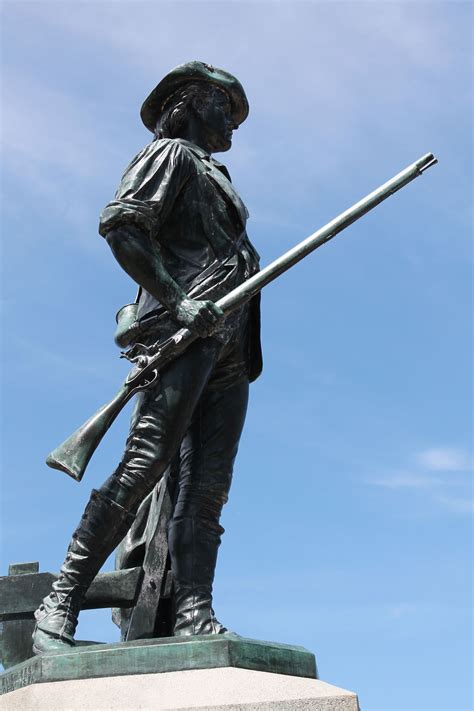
(162, 149)
(161, 154)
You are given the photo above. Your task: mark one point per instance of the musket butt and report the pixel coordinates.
(52, 462)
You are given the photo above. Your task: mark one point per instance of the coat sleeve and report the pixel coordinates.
(149, 188)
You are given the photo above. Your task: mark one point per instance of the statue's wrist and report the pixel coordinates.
(179, 305)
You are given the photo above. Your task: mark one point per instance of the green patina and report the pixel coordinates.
(153, 656)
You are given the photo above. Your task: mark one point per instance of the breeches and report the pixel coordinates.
(197, 409)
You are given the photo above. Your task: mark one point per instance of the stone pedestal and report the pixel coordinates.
(212, 672)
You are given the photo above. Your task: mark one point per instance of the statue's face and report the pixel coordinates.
(217, 125)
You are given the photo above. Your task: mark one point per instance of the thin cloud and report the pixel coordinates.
(444, 460)
(30, 355)
(402, 609)
(406, 480)
(48, 128)
(143, 37)
(55, 147)
(452, 493)
(456, 504)
(55, 132)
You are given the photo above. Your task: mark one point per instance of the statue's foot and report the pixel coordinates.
(195, 618)
(56, 622)
(192, 630)
(216, 627)
(44, 642)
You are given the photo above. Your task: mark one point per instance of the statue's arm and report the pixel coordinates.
(134, 252)
(145, 197)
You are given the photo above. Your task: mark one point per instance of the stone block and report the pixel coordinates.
(218, 689)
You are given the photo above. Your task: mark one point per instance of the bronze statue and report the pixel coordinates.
(177, 227)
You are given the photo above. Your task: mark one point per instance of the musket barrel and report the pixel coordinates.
(253, 285)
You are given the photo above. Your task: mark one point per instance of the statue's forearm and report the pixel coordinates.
(133, 251)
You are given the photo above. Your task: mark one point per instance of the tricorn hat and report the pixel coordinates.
(191, 72)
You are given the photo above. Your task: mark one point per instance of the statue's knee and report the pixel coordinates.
(201, 501)
(130, 483)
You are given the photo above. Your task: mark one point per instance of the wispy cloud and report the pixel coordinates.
(451, 486)
(29, 355)
(456, 504)
(59, 133)
(49, 128)
(444, 460)
(142, 39)
(401, 609)
(406, 480)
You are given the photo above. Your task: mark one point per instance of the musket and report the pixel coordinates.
(73, 455)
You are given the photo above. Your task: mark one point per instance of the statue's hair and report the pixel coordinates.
(174, 114)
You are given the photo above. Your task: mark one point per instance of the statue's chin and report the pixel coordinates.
(223, 146)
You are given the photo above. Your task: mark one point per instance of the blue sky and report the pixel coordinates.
(349, 522)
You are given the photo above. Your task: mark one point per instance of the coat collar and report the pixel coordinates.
(219, 173)
(197, 150)
(203, 155)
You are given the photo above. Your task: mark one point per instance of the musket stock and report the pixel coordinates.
(73, 455)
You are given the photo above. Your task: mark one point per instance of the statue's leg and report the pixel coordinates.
(207, 457)
(158, 425)
(102, 527)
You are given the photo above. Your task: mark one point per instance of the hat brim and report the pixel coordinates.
(191, 72)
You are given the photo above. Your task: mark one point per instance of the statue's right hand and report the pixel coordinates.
(201, 317)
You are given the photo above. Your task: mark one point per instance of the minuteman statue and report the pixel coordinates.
(177, 227)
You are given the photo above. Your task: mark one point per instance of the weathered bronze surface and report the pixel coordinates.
(16, 629)
(21, 594)
(73, 455)
(160, 656)
(22, 590)
(177, 227)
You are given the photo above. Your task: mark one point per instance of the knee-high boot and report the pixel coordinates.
(102, 527)
(193, 547)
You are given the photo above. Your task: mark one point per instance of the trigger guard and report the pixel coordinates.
(148, 382)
